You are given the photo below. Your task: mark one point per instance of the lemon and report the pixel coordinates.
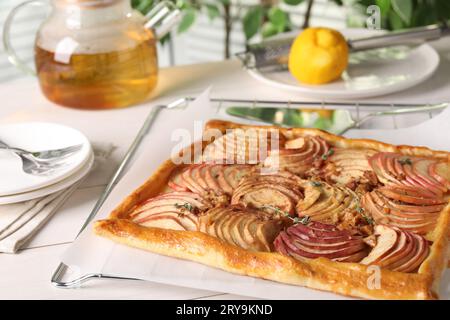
(318, 55)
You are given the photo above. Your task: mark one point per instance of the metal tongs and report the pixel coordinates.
(273, 52)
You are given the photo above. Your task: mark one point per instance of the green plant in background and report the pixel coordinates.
(402, 14)
(268, 18)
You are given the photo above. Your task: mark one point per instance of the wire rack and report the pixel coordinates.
(358, 110)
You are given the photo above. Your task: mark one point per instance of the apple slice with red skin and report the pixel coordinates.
(378, 206)
(187, 222)
(379, 166)
(347, 165)
(386, 242)
(401, 249)
(299, 154)
(420, 168)
(355, 257)
(329, 246)
(441, 172)
(241, 145)
(316, 240)
(397, 250)
(211, 174)
(165, 222)
(175, 182)
(297, 250)
(280, 246)
(181, 196)
(183, 203)
(320, 230)
(419, 182)
(410, 195)
(406, 255)
(398, 169)
(420, 255)
(204, 178)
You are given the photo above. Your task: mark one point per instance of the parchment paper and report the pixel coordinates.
(92, 254)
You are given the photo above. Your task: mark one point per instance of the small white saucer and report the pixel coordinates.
(370, 73)
(38, 136)
(63, 184)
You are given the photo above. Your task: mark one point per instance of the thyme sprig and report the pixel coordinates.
(366, 218)
(316, 183)
(303, 220)
(328, 154)
(185, 206)
(405, 161)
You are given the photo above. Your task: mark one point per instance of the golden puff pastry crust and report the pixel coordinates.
(351, 279)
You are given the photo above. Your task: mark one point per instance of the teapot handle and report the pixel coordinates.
(12, 55)
(162, 18)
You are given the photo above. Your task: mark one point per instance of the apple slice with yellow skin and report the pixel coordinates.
(311, 195)
(225, 226)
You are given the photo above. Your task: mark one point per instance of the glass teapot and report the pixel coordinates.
(96, 54)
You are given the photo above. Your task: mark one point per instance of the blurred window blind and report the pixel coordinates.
(202, 43)
(205, 40)
(23, 34)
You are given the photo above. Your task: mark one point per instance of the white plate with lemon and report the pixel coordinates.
(332, 73)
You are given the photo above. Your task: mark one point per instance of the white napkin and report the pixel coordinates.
(19, 222)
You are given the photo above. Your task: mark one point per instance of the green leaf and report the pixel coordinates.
(384, 5)
(268, 30)
(293, 2)
(252, 21)
(212, 10)
(142, 6)
(278, 18)
(404, 9)
(187, 21)
(395, 21)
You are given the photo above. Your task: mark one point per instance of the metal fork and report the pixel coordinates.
(42, 162)
(46, 155)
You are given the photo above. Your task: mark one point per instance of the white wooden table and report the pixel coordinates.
(26, 275)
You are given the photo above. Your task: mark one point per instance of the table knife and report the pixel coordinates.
(336, 121)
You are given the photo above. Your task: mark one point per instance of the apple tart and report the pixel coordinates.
(355, 217)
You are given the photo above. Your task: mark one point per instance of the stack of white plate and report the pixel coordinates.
(18, 186)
